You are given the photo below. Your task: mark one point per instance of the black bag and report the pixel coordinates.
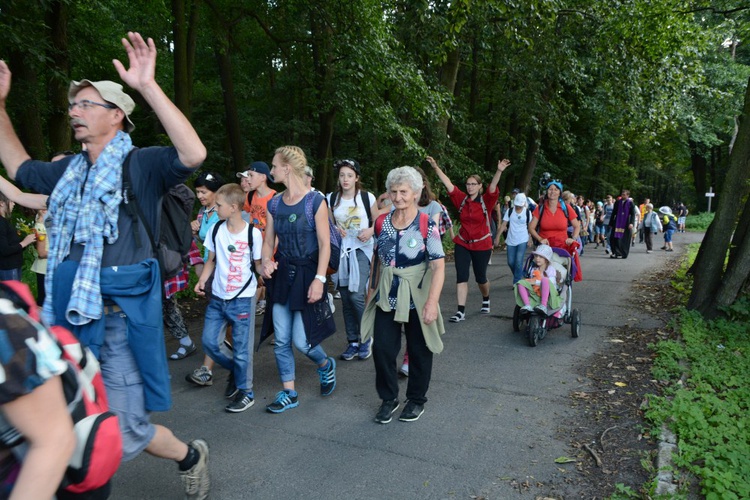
(175, 235)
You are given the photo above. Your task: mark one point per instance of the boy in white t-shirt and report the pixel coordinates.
(234, 258)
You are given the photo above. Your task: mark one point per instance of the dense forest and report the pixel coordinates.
(603, 94)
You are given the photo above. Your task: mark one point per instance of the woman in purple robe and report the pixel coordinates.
(622, 222)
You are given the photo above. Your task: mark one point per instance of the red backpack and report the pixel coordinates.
(98, 450)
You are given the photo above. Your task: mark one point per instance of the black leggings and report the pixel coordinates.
(479, 260)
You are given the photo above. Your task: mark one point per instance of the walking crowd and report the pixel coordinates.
(103, 262)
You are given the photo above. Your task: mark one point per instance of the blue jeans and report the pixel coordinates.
(240, 313)
(124, 384)
(10, 274)
(515, 261)
(353, 303)
(289, 328)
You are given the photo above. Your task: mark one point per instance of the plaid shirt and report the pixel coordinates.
(180, 282)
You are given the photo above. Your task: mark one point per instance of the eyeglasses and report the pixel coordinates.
(86, 105)
(472, 183)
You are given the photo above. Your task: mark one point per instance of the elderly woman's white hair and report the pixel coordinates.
(405, 175)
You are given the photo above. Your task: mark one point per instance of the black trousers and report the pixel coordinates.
(385, 348)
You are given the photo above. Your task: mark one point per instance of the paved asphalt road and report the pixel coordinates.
(492, 419)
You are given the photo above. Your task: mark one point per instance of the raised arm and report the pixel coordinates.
(501, 166)
(28, 200)
(140, 76)
(12, 152)
(441, 175)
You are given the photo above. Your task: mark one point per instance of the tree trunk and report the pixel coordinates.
(184, 54)
(738, 268)
(59, 69)
(448, 77)
(29, 121)
(699, 166)
(709, 263)
(323, 66)
(236, 145)
(532, 149)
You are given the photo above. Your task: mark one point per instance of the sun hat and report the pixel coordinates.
(545, 251)
(111, 92)
(665, 210)
(519, 200)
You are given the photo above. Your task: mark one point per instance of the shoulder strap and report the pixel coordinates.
(366, 202)
(379, 224)
(215, 232)
(131, 204)
(424, 225)
(273, 204)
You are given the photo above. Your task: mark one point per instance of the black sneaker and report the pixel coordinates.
(327, 377)
(241, 403)
(284, 401)
(231, 390)
(386, 411)
(412, 411)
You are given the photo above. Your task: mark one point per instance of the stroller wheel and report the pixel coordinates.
(575, 323)
(517, 319)
(535, 330)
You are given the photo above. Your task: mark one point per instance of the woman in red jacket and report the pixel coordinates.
(474, 239)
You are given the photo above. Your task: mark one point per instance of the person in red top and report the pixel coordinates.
(474, 239)
(553, 230)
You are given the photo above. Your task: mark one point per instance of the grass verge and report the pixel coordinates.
(707, 399)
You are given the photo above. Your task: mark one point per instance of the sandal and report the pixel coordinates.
(485, 307)
(459, 316)
(183, 352)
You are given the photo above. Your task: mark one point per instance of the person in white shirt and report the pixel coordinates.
(354, 211)
(516, 221)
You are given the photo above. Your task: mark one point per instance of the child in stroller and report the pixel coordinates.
(545, 299)
(541, 285)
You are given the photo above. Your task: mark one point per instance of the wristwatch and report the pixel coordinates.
(321, 278)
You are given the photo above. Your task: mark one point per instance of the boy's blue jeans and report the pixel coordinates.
(240, 313)
(289, 329)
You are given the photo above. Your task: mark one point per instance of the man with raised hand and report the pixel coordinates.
(103, 280)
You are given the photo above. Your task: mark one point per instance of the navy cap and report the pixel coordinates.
(260, 167)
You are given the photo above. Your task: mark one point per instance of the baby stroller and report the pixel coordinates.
(538, 324)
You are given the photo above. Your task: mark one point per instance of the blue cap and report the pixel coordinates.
(260, 167)
(555, 183)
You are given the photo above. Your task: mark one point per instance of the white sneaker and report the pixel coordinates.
(330, 303)
(404, 370)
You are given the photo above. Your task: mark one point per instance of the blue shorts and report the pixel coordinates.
(598, 229)
(668, 235)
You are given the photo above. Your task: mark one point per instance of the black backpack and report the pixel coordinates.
(333, 198)
(175, 235)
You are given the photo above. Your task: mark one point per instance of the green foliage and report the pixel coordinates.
(699, 222)
(707, 401)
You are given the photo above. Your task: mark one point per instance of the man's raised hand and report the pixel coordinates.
(142, 60)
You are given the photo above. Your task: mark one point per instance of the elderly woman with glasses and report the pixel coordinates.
(406, 292)
(474, 239)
